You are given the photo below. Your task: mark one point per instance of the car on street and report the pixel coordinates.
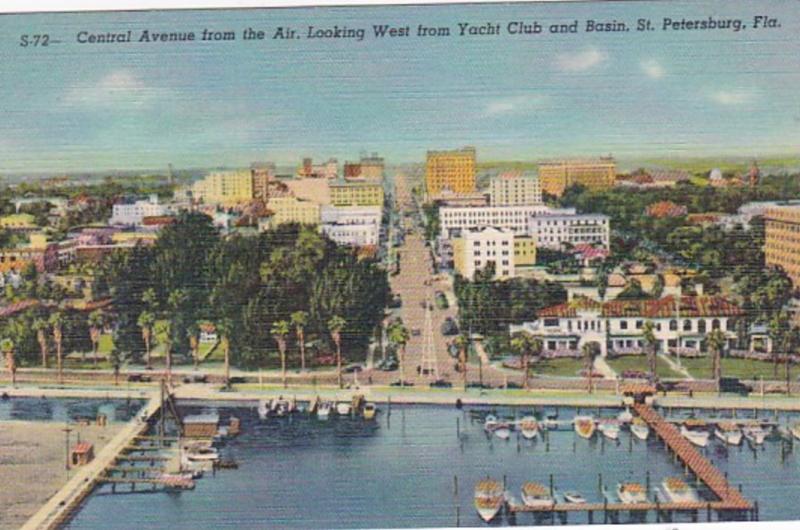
(441, 383)
(734, 385)
(353, 367)
(476, 384)
(449, 327)
(139, 378)
(416, 332)
(404, 383)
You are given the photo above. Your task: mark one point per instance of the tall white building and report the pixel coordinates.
(475, 249)
(554, 231)
(454, 219)
(515, 189)
(131, 214)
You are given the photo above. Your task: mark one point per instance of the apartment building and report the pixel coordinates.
(559, 231)
(227, 188)
(476, 248)
(293, 210)
(596, 174)
(133, 213)
(356, 194)
(782, 239)
(450, 170)
(515, 189)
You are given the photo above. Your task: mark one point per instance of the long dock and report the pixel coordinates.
(729, 499)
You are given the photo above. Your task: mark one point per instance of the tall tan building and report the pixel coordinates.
(782, 239)
(596, 174)
(515, 189)
(227, 188)
(450, 170)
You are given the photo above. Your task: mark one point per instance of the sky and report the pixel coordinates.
(72, 107)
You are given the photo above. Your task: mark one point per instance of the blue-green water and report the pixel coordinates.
(67, 409)
(399, 472)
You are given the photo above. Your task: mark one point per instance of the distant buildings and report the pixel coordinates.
(133, 214)
(563, 231)
(227, 188)
(453, 219)
(356, 194)
(515, 189)
(293, 210)
(370, 168)
(450, 170)
(355, 226)
(782, 239)
(597, 174)
(327, 170)
(21, 222)
(662, 209)
(655, 178)
(680, 323)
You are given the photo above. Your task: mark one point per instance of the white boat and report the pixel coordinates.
(490, 423)
(263, 409)
(502, 431)
(695, 431)
(550, 421)
(343, 408)
(200, 453)
(728, 433)
(489, 498)
(609, 430)
(678, 491)
(795, 430)
(535, 495)
(626, 416)
(324, 410)
(529, 427)
(631, 493)
(640, 429)
(369, 411)
(574, 497)
(584, 426)
(755, 434)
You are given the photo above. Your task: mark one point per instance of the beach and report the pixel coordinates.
(32, 456)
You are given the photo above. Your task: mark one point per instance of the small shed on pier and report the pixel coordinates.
(81, 454)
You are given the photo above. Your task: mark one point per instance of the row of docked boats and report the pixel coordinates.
(586, 426)
(321, 409)
(490, 495)
(527, 426)
(698, 432)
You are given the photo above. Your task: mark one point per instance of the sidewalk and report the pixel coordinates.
(675, 368)
(603, 368)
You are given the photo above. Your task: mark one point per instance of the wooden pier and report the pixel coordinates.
(730, 500)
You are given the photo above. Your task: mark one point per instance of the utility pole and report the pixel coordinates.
(66, 430)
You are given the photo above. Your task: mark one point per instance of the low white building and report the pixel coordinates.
(454, 219)
(553, 231)
(680, 323)
(131, 214)
(352, 225)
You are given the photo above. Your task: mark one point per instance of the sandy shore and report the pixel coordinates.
(32, 457)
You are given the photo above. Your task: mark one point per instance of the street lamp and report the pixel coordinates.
(66, 430)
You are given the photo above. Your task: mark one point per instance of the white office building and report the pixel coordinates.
(352, 225)
(515, 189)
(132, 214)
(555, 231)
(454, 219)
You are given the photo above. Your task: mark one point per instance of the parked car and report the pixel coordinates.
(449, 327)
(353, 367)
(476, 384)
(634, 374)
(441, 383)
(389, 365)
(734, 385)
(405, 383)
(416, 332)
(139, 378)
(395, 302)
(237, 380)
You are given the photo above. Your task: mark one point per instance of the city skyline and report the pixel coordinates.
(82, 107)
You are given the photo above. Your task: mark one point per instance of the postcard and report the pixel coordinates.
(401, 266)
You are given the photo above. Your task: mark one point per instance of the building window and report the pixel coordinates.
(623, 324)
(673, 325)
(687, 325)
(715, 324)
(701, 326)
(639, 324)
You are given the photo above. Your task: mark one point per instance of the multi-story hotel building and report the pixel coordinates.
(133, 214)
(782, 239)
(453, 219)
(227, 188)
(598, 174)
(556, 231)
(293, 210)
(680, 323)
(356, 194)
(515, 189)
(478, 247)
(450, 170)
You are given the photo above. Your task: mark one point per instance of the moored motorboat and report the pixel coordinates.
(574, 497)
(369, 411)
(626, 416)
(490, 423)
(678, 491)
(502, 431)
(343, 408)
(529, 427)
(584, 426)
(695, 431)
(640, 429)
(489, 497)
(755, 433)
(550, 420)
(324, 410)
(535, 495)
(631, 493)
(609, 429)
(263, 409)
(199, 452)
(729, 433)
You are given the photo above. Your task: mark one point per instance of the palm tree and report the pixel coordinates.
(299, 321)
(96, 322)
(525, 345)
(399, 336)
(279, 331)
(651, 343)
(175, 301)
(590, 350)
(40, 326)
(7, 347)
(116, 362)
(335, 326)
(778, 332)
(715, 342)
(192, 333)
(146, 322)
(223, 328)
(57, 323)
(462, 343)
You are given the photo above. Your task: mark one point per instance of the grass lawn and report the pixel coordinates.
(741, 368)
(639, 363)
(558, 367)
